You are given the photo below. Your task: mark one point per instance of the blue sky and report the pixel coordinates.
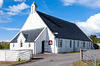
(85, 13)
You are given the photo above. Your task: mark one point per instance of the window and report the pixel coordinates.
(84, 44)
(60, 43)
(77, 43)
(81, 44)
(89, 45)
(13, 45)
(70, 44)
(21, 44)
(29, 45)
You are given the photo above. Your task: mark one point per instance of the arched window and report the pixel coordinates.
(29, 45)
(21, 44)
(13, 45)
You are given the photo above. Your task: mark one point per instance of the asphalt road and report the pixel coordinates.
(60, 59)
(53, 60)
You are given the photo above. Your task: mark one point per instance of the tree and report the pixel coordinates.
(95, 39)
(4, 45)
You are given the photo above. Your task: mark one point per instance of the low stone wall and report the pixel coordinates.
(15, 55)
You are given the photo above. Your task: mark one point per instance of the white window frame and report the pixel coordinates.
(21, 43)
(60, 42)
(13, 45)
(70, 43)
(29, 45)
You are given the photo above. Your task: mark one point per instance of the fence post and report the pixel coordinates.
(94, 57)
(81, 55)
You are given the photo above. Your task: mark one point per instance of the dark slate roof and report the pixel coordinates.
(64, 28)
(15, 39)
(30, 35)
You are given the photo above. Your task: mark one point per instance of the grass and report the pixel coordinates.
(80, 63)
(69, 53)
(12, 62)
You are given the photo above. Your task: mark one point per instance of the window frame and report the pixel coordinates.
(70, 44)
(77, 43)
(29, 45)
(60, 43)
(13, 45)
(21, 43)
(83, 43)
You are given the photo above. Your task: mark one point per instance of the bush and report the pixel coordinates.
(96, 46)
(4, 45)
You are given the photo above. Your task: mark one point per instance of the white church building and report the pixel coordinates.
(44, 33)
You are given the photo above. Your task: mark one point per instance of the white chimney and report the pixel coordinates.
(33, 8)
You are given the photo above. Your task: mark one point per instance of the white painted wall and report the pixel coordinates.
(17, 46)
(74, 47)
(45, 36)
(38, 42)
(14, 55)
(34, 21)
(50, 36)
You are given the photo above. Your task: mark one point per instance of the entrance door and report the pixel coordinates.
(42, 46)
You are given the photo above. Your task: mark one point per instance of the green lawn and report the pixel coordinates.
(69, 53)
(80, 63)
(11, 62)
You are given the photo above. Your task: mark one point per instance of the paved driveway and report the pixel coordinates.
(53, 60)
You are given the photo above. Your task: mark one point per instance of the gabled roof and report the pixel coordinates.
(30, 35)
(64, 28)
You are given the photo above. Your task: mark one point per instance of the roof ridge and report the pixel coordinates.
(55, 17)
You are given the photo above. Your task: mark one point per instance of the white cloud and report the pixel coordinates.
(7, 40)
(5, 28)
(20, 0)
(12, 13)
(1, 12)
(89, 3)
(1, 3)
(4, 18)
(92, 25)
(15, 9)
(18, 8)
